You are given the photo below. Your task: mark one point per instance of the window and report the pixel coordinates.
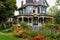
(39, 9)
(24, 11)
(29, 9)
(20, 11)
(33, 11)
(43, 10)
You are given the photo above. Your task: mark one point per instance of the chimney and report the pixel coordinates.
(34, 0)
(21, 3)
(27, 1)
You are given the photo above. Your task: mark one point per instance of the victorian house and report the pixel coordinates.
(34, 12)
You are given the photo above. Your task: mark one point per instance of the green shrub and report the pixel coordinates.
(1, 27)
(25, 25)
(51, 26)
(8, 26)
(34, 33)
(47, 33)
(56, 34)
(56, 25)
(7, 30)
(41, 27)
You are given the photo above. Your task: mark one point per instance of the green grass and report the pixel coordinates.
(10, 37)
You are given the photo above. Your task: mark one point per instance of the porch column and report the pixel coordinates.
(22, 19)
(31, 21)
(17, 20)
(18, 24)
(28, 20)
(43, 20)
(38, 22)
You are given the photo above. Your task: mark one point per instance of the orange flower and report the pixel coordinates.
(18, 31)
(39, 38)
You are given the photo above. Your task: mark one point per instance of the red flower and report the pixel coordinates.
(39, 38)
(58, 28)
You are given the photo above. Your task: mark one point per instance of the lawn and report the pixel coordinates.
(9, 37)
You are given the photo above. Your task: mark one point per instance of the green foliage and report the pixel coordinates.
(53, 10)
(34, 33)
(8, 25)
(7, 30)
(42, 27)
(56, 34)
(51, 26)
(47, 33)
(25, 25)
(57, 18)
(50, 31)
(1, 27)
(57, 2)
(7, 8)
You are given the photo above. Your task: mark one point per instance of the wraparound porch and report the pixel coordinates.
(35, 20)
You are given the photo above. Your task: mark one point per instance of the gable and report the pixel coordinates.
(45, 3)
(42, 2)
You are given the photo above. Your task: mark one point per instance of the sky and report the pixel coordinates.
(18, 3)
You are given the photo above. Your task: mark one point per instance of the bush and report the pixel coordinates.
(25, 25)
(42, 27)
(18, 31)
(34, 33)
(56, 34)
(56, 26)
(1, 27)
(47, 33)
(9, 25)
(7, 30)
(49, 26)
(52, 26)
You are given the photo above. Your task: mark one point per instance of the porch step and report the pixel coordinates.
(35, 28)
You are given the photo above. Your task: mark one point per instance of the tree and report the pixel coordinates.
(7, 8)
(57, 17)
(53, 10)
(57, 2)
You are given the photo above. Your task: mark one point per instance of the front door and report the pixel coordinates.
(35, 20)
(35, 23)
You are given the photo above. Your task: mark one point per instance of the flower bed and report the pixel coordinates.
(48, 31)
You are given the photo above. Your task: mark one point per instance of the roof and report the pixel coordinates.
(37, 3)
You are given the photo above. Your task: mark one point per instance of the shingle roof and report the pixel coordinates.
(37, 3)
